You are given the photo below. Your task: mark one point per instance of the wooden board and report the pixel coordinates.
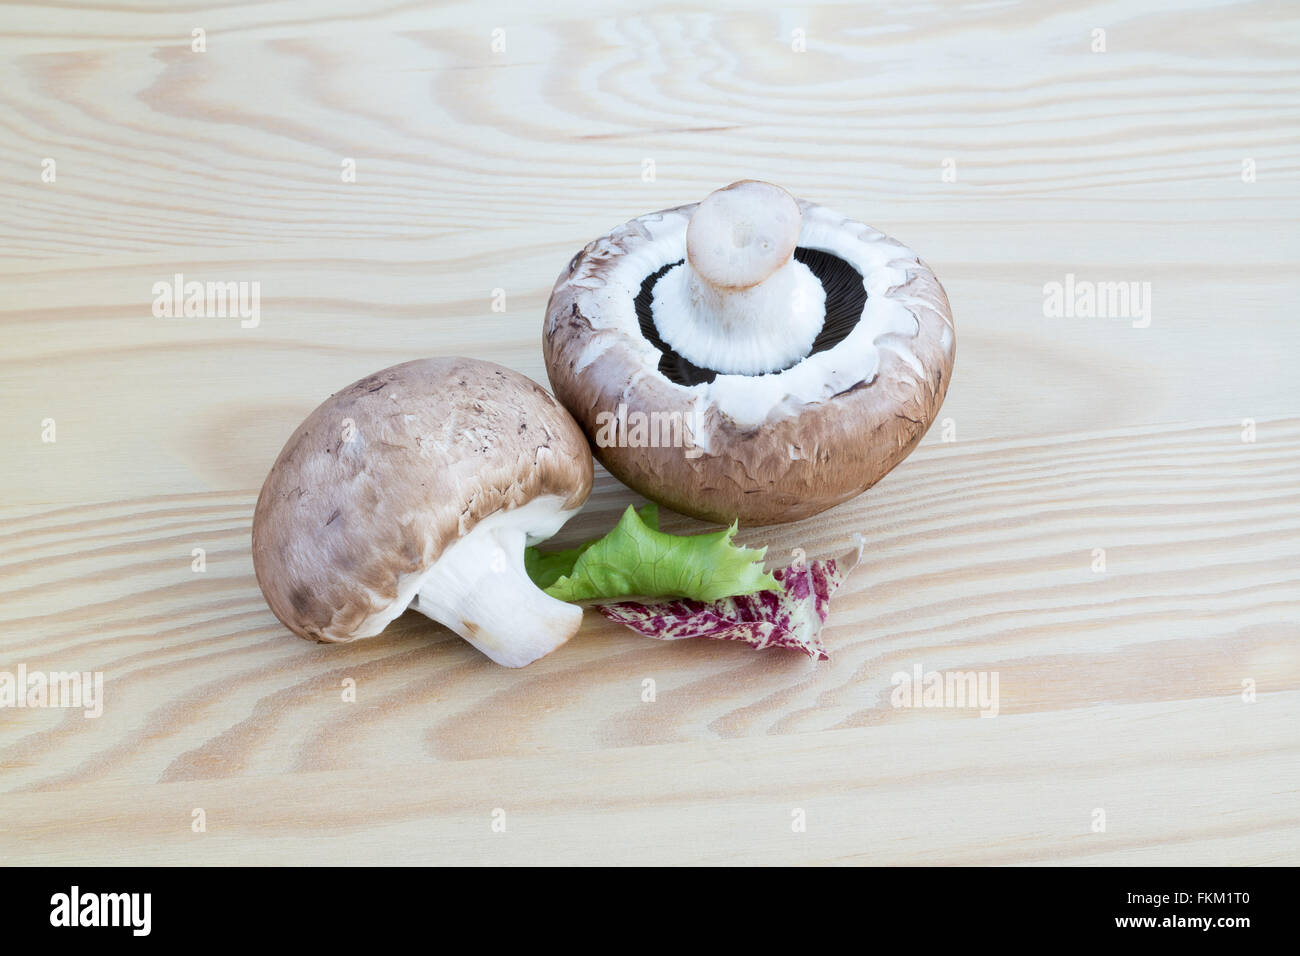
(1107, 516)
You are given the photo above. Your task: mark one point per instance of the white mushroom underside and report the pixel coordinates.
(747, 332)
(657, 239)
(478, 588)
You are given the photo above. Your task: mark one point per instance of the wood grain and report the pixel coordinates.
(477, 171)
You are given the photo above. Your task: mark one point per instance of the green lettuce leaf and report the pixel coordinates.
(637, 559)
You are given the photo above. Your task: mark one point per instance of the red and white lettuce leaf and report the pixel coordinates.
(791, 616)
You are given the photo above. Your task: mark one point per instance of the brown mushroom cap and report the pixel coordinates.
(388, 473)
(770, 448)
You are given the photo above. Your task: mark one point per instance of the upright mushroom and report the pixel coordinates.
(419, 486)
(803, 354)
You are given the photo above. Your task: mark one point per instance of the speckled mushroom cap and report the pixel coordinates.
(388, 473)
(771, 447)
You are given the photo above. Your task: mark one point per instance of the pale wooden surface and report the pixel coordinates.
(481, 170)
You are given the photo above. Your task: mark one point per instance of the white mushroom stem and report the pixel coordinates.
(741, 304)
(478, 587)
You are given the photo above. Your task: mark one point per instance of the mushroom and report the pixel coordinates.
(799, 354)
(419, 486)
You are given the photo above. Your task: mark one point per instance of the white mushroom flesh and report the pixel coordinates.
(740, 304)
(743, 233)
(478, 588)
(765, 328)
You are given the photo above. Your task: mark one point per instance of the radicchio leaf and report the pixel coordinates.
(789, 616)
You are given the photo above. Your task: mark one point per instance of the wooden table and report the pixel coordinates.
(1106, 515)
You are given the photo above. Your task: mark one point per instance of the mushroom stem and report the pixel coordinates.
(743, 304)
(479, 589)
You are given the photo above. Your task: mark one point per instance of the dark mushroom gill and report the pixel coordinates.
(845, 298)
